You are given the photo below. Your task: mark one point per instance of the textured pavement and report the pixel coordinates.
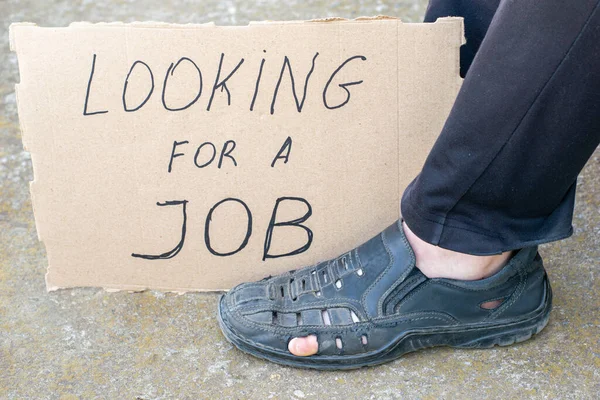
(87, 343)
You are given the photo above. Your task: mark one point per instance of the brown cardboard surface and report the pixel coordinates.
(125, 146)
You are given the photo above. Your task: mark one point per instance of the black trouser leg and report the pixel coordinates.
(477, 17)
(502, 174)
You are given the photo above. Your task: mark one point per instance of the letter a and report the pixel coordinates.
(287, 147)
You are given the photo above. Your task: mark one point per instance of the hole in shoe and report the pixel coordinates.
(274, 318)
(326, 318)
(338, 343)
(491, 304)
(354, 316)
(298, 319)
(338, 284)
(303, 284)
(363, 340)
(345, 264)
(282, 292)
(325, 277)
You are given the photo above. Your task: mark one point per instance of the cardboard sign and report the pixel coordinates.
(196, 157)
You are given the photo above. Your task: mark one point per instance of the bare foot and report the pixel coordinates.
(434, 262)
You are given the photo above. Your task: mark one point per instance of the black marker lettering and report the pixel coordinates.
(287, 145)
(87, 93)
(127, 81)
(173, 154)
(260, 70)
(342, 85)
(299, 104)
(171, 70)
(297, 222)
(227, 152)
(223, 83)
(214, 153)
(176, 249)
(207, 228)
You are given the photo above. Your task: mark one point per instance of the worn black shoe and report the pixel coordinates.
(372, 305)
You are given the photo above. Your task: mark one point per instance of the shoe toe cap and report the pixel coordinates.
(246, 323)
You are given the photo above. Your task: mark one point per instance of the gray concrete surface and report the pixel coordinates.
(87, 343)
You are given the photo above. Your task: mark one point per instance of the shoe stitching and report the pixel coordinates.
(286, 332)
(313, 279)
(365, 326)
(249, 299)
(358, 259)
(404, 274)
(522, 270)
(370, 288)
(293, 330)
(327, 334)
(401, 285)
(395, 319)
(354, 305)
(252, 285)
(450, 285)
(413, 293)
(361, 326)
(519, 290)
(403, 291)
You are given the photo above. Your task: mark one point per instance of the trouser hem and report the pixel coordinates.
(440, 231)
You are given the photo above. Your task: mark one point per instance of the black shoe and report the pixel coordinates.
(372, 305)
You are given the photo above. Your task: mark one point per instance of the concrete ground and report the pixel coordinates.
(87, 343)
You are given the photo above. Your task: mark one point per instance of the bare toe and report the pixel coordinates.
(304, 346)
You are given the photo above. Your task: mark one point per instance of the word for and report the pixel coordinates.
(205, 158)
(220, 83)
(273, 223)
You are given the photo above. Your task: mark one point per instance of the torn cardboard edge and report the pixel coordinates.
(25, 135)
(167, 25)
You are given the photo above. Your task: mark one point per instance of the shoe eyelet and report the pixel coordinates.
(318, 293)
(360, 272)
(338, 284)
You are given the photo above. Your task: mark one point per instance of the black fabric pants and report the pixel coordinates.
(503, 171)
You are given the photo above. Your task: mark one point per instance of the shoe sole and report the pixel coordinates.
(470, 337)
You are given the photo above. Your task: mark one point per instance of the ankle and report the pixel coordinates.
(436, 262)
